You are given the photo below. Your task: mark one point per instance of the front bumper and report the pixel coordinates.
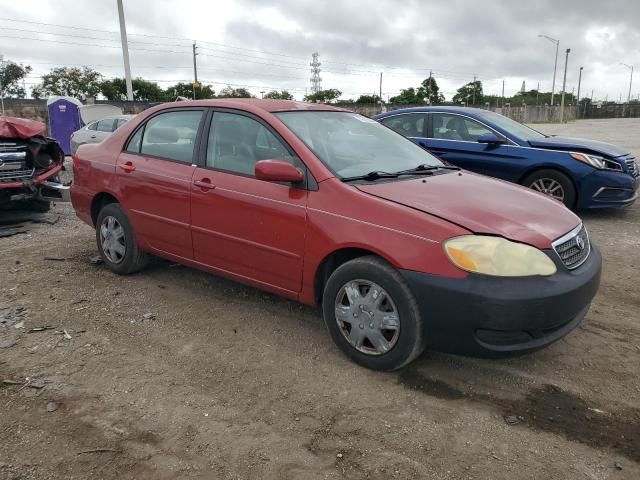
(489, 316)
(605, 189)
(42, 186)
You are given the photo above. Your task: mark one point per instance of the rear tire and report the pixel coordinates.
(551, 183)
(116, 241)
(372, 315)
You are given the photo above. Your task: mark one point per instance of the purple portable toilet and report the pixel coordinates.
(64, 119)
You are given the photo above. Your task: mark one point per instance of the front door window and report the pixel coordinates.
(456, 127)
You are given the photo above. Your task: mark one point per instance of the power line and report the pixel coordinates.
(329, 61)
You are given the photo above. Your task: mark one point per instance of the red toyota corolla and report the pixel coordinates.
(328, 207)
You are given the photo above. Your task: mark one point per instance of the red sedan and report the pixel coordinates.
(328, 207)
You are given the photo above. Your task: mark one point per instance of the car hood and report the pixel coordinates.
(580, 144)
(482, 205)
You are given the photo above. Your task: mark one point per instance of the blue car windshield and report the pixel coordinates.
(511, 126)
(351, 145)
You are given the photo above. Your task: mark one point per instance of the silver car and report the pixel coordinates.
(97, 131)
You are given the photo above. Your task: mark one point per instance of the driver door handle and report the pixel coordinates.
(127, 167)
(205, 184)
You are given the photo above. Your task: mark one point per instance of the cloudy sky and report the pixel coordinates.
(267, 44)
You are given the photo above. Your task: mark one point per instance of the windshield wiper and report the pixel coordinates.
(374, 175)
(427, 168)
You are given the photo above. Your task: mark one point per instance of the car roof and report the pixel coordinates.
(434, 108)
(249, 104)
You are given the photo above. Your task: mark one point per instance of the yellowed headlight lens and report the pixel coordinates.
(497, 256)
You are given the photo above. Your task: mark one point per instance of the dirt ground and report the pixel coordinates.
(175, 373)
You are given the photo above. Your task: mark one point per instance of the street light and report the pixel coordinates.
(579, 81)
(564, 84)
(555, 65)
(630, 81)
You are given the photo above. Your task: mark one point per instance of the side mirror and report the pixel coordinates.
(491, 139)
(278, 171)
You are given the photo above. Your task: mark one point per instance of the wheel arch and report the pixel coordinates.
(333, 260)
(99, 201)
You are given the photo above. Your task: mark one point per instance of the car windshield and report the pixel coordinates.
(511, 126)
(352, 145)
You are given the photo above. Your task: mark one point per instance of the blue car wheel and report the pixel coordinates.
(553, 183)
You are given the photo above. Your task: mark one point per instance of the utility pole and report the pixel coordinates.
(502, 94)
(195, 70)
(555, 65)
(538, 94)
(579, 81)
(2, 63)
(564, 84)
(473, 98)
(380, 95)
(125, 51)
(630, 83)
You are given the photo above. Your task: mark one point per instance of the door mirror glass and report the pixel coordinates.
(490, 138)
(278, 171)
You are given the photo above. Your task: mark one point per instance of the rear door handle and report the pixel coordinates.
(93, 136)
(205, 184)
(127, 167)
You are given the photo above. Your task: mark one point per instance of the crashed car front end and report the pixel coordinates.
(30, 164)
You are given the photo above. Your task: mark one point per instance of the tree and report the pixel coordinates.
(408, 96)
(186, 90)
(11, 76)
(368, 99)
(323, 96)
(230, 92)
(69, 81)
(281, 95)
(116, 89)
(429, 91)
(470, 94)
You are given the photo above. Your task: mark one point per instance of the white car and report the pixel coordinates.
(97, 131)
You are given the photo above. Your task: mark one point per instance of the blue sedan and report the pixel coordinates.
(582, 174)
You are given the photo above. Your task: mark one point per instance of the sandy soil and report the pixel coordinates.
(175, 373)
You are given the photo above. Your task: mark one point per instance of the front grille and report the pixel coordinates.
(632, 166)
(574, 247)
(13, 175)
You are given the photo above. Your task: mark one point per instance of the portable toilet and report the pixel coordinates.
(64, 119)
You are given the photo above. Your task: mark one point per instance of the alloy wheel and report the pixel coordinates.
(367, 317)
(550, 187)
(112, 239)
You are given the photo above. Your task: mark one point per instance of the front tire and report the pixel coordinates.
(554, 184)
(116, 241)
(372, 315)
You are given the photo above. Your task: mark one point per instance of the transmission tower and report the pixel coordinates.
(315, 73)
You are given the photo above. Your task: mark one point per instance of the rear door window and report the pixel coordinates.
(171, 135)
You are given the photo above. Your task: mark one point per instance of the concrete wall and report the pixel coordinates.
(37, 110)
(611, 111)
(523, 114)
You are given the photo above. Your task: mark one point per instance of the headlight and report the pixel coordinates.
(596, 161)
(497, 256)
